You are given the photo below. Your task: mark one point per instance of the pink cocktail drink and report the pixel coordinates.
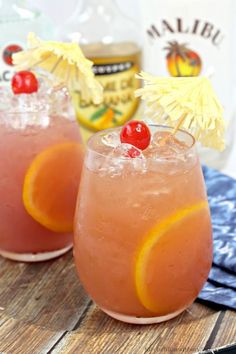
(41, 157)
(143, 246)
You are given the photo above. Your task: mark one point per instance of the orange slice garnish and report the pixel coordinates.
(51, 185)
(168, 259)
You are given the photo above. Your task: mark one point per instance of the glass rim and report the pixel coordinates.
(90, 148)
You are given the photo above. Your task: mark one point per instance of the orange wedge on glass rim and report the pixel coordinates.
(155, 254)
(51, 185)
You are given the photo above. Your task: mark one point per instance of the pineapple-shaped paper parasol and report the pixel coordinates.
(185, 102)
(64, 61)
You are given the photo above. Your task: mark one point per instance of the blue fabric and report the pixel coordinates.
(220, 289)
(222, 277)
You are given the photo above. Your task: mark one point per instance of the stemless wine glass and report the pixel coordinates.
(143, 238)
(41, 159)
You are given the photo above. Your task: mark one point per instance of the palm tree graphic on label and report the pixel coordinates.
(182, 61)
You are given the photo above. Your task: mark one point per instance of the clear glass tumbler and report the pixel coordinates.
(40, 165)
(143, 237)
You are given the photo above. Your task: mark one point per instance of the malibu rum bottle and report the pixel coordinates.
(191, 38)
(112, 42)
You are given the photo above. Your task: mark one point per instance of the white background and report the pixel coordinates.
(60, 10)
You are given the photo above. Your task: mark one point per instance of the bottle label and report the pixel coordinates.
(191, 38)
(117, 76)
(6, 65)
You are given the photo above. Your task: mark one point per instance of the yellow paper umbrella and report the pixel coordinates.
(186, 102)
(65, 61)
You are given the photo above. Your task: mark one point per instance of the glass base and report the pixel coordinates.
(142, 320)
(34, 257)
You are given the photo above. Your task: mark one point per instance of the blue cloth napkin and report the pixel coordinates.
(220, 289)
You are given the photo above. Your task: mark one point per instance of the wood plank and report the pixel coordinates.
(43, 309)
(48, 294)
(226, 331)
(98, 333)
(39, 303)
(17, 337)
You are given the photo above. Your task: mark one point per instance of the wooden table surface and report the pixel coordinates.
(44, 309)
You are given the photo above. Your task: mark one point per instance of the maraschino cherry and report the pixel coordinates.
(136, 133)
(24, 82)
(132, 152)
